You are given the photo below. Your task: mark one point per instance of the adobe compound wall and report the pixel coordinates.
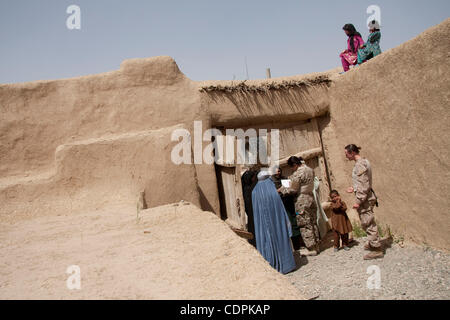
(60, 139)
(397, 108)
(95, 140)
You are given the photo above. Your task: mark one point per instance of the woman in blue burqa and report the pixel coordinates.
(272, 226)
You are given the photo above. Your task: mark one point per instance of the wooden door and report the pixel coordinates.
(230, 194)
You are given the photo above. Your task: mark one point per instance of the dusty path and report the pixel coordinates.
(411, 272)
(185, 253)
(172, 252)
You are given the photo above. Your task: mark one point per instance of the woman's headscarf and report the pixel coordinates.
(247, 178)
(374, 25)
(263, 175)
(352, 30)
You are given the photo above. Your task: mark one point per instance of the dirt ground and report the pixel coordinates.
(180, 252)
(411, 272)
(171, 252)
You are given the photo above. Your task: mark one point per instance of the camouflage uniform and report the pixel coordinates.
(362, 185)
(302, 188)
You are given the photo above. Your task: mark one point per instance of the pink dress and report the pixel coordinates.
(349, 57)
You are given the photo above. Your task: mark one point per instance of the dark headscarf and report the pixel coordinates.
(247, 178)
(352, 30)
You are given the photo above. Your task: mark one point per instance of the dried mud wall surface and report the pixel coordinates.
(397, 108)
(96, 173)
(63, 139)
(39, 116)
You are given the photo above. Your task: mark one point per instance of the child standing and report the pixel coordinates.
(339, 221)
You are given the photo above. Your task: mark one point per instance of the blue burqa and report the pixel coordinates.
(272, 226)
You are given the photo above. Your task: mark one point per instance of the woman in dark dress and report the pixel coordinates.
(249, 180)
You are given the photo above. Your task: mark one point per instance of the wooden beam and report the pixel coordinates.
(242, 233)
(324, 178)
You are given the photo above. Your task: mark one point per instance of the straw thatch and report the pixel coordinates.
(242, 86)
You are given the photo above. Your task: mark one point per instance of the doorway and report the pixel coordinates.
(300, 137)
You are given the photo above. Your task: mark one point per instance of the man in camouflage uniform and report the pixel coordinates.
(365, 200)
(302, 186)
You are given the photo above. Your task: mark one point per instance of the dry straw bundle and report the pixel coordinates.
(265, 86)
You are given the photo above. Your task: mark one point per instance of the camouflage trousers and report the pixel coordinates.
(307, 220)
(367, 218)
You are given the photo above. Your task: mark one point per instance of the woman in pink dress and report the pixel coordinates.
(350, 56)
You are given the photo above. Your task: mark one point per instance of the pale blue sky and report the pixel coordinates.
(209, 39)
